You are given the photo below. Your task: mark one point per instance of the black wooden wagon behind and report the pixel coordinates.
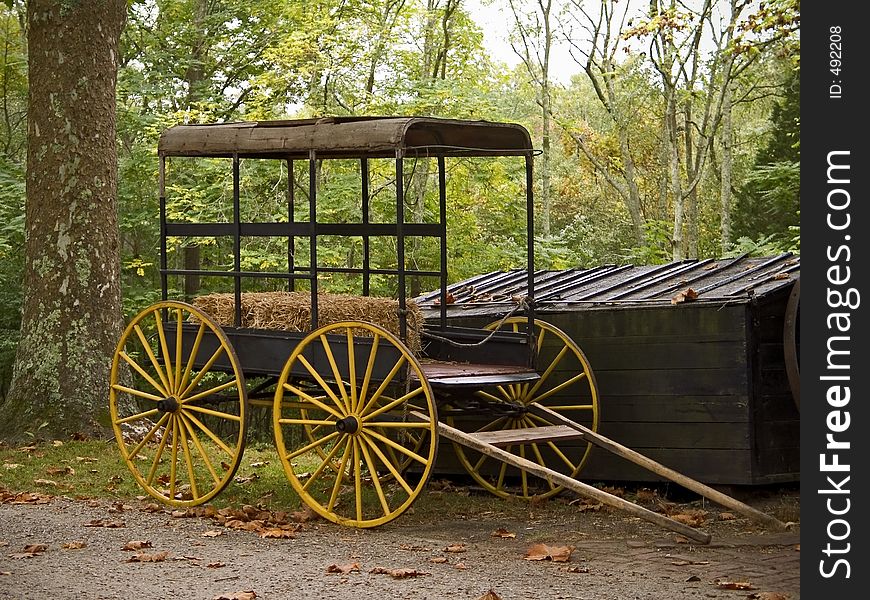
(696, 361)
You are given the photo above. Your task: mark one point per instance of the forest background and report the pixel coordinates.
(678, 137)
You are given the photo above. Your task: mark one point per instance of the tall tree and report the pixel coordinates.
(598, 55)
(699, 51)
(535, 25)
(72, 303)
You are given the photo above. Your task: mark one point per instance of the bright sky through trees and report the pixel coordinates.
(496, 22)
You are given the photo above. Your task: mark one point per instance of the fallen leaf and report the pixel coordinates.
(343, 569)
(438, 560)
(574, 569)
(681, 539)
(30, 498)
(137, 545)
(768, 596)
(693, 518)
(544, 552)
(258, 464)
(109, 523)
(686, 295)
(87, 459)
(460, 566)
(501, 532)
(212, 533)
(60, 471)
(246, 595)
(74, 545)
(615, 491)
(647, 496)
(243, 480)
(734, 585)
(561, 553)
(5, 573)
(537, 552)
(456, 548)
(726, 516)
(216, 565)
(277, 533)
(11, 466)
(45, 482)
(450, 299)
(693, 578)
(30, 551)
(304, 515)
(586, 505)
(158, 557)
(57, 443)
(490, 595)
(152, 507)
(413, 548)
(398, 573)
(186, 557)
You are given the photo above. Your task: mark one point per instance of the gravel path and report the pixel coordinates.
(613, 557)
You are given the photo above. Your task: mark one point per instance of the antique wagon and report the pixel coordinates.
(371, 389)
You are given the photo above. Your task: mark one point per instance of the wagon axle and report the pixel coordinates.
(168, 405)
(349, 424)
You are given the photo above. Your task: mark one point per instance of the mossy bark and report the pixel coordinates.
(72, 309)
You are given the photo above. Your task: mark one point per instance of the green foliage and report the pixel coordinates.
(13, 84)
(197, 61)
(768, 202)
(657, 249)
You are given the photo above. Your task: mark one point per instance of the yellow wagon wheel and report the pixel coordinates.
(178, 404)
(366, 405)
(566, 385)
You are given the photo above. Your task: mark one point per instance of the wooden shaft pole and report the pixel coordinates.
(567, 482)
(658, 468)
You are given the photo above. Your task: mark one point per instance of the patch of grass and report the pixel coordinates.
(95, 469)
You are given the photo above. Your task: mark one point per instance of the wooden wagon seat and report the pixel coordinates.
(291, 311)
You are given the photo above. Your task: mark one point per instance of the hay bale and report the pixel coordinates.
(291, 311)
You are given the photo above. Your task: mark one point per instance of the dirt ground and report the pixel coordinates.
(435, 552)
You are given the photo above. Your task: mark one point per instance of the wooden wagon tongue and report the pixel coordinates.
(487, 444)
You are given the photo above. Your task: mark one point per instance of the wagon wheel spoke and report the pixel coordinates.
(375, 479)
(179, 416)
(565, 385)
(327, 461)
(354, 411)
(345, 399)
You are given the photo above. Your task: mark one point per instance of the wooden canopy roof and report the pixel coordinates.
(347, 137)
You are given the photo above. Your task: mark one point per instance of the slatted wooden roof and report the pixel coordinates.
(721, 280)
(347, 137)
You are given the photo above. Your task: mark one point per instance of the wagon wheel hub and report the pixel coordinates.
(168, 405)
(349, 424)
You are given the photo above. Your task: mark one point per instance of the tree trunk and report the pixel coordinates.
(725, 170)
(693, 166)
(72, 310)
(674, 168)
(546, 201)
